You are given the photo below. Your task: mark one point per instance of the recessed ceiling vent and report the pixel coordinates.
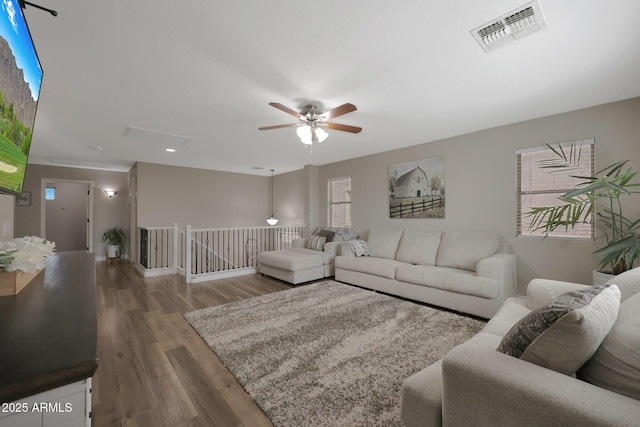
(513, 25)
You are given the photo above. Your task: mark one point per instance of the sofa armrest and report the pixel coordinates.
(541, 292)
(484, 387)
(300, 242)
(502, 268)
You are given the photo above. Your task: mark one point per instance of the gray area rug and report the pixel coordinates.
(329, 354)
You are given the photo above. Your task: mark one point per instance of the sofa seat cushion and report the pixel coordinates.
(327, 258)
(465, 249)
(292, 259)
(449, 279)
(371, 265)
(419, 247)
(383, 242)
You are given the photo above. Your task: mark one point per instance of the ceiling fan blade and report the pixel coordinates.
(287, 110)
(338, 111)
(344, 128)
(278, 126)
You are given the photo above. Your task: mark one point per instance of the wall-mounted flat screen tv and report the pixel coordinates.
(20, 80)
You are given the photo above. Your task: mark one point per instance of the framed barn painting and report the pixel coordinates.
(416, 189)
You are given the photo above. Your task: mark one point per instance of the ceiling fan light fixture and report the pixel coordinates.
(304, 133)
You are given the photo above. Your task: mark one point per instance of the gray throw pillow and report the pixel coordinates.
(564, 334)
(328, 234)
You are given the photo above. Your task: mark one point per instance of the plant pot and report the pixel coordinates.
(601, 277)
(113, 251)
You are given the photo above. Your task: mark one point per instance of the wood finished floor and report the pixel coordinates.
(154, 369)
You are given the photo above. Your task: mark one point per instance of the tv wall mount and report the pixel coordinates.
(24, 4)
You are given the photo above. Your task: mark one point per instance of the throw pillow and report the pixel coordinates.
(328, 234)
(564, 334)
(616, 364)
(316, 242)
(358, 247)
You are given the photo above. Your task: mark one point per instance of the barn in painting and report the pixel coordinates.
(412, 184)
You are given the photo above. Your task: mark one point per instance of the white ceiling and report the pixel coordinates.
(207, 69)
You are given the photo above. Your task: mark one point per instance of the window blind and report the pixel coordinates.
(339, 202)
(539, 186)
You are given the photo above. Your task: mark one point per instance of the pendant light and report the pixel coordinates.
(272, 220)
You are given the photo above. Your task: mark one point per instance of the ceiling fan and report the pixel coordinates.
(312, 121)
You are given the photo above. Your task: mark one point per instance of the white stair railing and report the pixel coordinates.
(208, 253)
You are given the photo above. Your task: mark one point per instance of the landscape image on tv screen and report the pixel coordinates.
(20, 80)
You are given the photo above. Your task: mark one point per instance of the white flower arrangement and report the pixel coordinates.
(28, 254)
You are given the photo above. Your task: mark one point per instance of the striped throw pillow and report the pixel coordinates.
(316, 242)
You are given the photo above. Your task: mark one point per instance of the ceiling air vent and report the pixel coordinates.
(513, 25)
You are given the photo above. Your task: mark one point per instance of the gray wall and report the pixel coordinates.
(480, 174)
(289, 190)
(107, 212)
(201, 198)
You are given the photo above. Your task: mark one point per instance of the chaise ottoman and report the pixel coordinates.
(300, 263)
(292, 266)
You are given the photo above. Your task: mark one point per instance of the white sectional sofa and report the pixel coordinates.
(470, 272)
(475, 385)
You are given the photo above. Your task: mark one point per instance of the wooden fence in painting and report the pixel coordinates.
(407, 210)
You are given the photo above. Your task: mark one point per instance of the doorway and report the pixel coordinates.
(67, 214)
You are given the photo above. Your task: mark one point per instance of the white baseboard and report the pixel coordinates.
(205, 277)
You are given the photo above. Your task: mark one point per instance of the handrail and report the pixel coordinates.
(206, 253)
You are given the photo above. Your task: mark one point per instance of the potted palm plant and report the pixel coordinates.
(599, 194)
(115, 238)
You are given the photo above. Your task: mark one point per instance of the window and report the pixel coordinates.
(50, 193)
(538, 186)
(339, 203)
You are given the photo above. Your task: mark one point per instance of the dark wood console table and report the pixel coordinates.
(48, 331)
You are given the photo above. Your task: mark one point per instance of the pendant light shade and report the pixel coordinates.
(273, 220)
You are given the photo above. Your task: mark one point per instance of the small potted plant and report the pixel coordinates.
(115, 238)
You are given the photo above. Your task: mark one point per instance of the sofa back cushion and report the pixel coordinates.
(464, 249)
(419, 247)
(383, 242)
(628, 283)
(616, 364)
